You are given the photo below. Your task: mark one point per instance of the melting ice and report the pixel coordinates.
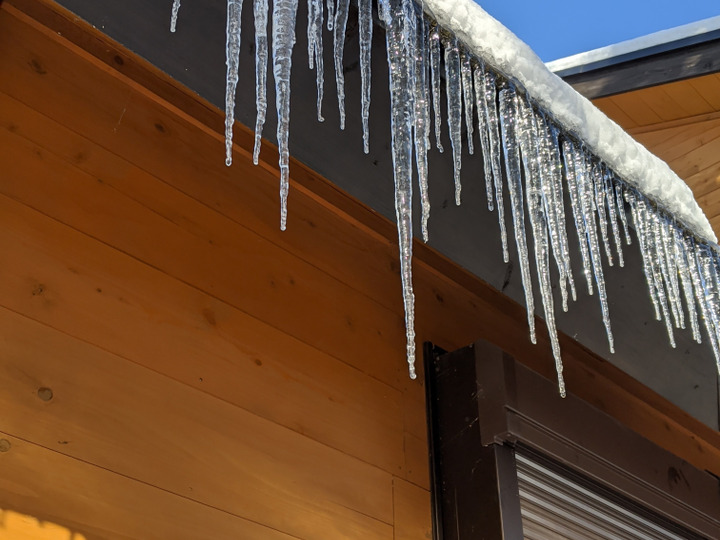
(543, 164)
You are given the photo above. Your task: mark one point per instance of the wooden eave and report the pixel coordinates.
(453, 305)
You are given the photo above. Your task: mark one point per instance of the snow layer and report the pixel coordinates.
(501, 49)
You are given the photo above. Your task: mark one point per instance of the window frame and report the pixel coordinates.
(484, 406)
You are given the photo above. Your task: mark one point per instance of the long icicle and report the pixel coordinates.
(467, 91)
(435, 81)
(481, 104)
(681, 257)
(284, 15)
(339, 27)
(366, 28)
(613, 216)
(508, 119)
(174, 15)
(598, 197)
(708, 298)
(402, 109)
(493, 127)
(527, 138)
(315, 50)
(260, 8)
(571, 176)
(700, 295)
(555, 202)
(549, 176)
(422, 117)
(583, 171)
(232, 53)
(644, 251)
(453, 91)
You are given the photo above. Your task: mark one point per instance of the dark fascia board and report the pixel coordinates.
(691, 57)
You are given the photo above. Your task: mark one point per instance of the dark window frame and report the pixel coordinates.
(484, 406)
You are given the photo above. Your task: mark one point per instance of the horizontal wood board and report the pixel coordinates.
(202, 364)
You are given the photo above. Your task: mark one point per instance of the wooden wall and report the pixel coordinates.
(171, 364)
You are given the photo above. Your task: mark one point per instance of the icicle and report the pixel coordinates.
(341, 17)
(366, 27)
(709, 272)
(681, 256)
(331, 14)
(435, 76)
(571, 176)
(641, 231)
(700, 294)
(315, 50)
(613, 215)
(174, 15)
(232, 51)
(706, 296)
(553, 204)
(467, 90)
(479, 88)
(508, 117)
(598, 197)
(260, 8)
(422, 117)
(667, 243)
(487, 92)
(556, 203)
(284, 14)
(532, 164)
(401, 102)
(619, 190)
(653, 257)
(583, 172)
(453, 91)
(311, 33)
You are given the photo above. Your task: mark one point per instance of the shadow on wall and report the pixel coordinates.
(16, 526)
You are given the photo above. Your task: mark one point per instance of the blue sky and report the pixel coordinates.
(555, 28)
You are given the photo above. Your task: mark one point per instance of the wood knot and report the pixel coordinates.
(45, 394)
(37, 67)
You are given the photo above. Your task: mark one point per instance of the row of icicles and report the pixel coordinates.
(519, 142)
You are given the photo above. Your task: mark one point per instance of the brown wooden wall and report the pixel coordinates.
(172, 366)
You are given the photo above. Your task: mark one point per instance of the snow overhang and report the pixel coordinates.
(492, 41)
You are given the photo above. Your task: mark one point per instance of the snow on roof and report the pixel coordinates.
(504, 51)
(662, 41)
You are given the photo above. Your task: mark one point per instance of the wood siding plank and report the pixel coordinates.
(257, 470)
(103, 505)
(88, 290)
(412, 511)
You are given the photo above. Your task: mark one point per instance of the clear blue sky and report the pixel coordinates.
(555, 28)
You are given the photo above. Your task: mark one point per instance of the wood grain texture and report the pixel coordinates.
(412, 511)
(102, 505)
(190, 344)
(257, 470)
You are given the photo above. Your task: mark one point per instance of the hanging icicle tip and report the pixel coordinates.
(545, 162)
(174, 15)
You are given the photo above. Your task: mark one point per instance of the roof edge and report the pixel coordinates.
(641, 47)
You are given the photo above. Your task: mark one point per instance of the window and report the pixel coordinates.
(512, 460)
